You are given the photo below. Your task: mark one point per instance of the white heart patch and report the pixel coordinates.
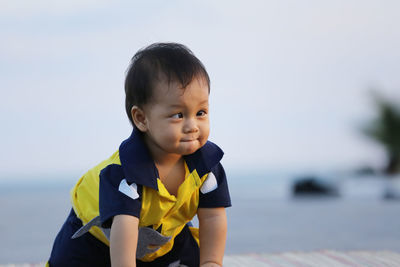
(210, 184)
(129, 190)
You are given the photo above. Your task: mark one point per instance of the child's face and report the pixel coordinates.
(177, 119)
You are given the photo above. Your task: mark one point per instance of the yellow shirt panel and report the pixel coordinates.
(159, 208)
(85, 195)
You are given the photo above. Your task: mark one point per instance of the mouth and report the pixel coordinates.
(188, 140)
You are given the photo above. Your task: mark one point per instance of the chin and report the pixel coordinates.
(191, 150)
(188, 152)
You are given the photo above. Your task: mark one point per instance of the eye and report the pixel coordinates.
(177, 116)
(201, 113)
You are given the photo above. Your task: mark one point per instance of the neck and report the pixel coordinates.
(160, 157)
(167, 159)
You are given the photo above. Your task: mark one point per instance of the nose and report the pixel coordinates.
(190, 126)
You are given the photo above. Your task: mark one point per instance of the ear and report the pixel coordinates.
(139, 118)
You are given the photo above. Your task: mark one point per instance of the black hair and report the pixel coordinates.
(173, 61)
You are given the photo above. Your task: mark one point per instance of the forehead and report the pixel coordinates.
(172, 93)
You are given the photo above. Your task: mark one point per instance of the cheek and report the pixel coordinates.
(205, 131)
(170, 132)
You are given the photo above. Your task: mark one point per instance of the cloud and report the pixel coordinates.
(26, 9)
(289, 79)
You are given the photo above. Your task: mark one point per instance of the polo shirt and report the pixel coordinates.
(128, 183)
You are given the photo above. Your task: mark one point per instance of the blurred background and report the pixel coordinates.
(304, 101)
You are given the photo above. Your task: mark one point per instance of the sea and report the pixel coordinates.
(265, 216)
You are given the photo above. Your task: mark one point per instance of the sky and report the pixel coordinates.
(290, 80)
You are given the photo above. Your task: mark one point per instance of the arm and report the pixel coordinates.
(212, 226)
(123, 240)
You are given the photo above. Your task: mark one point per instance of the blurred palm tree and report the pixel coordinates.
(385, 129)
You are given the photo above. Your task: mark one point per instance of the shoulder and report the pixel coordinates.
(113, 160)
(90, 179)
(85, 194)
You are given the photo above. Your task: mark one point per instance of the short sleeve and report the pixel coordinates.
(116, 196)
(214, 191)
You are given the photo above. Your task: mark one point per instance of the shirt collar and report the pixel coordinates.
(139, 167)
(204, 159)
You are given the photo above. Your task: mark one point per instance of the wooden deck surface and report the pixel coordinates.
(324, 258)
